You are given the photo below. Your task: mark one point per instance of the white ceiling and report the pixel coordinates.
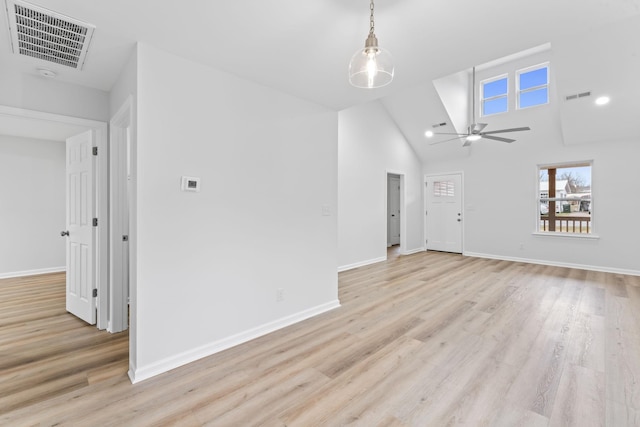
(303, 47)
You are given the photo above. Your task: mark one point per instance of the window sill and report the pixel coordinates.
(566, 235)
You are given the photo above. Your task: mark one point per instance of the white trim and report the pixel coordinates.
(33, 272)
(414, 251)
(142, 373)
(361, 264)
(585, 236)
(602, 269)
(120, 123)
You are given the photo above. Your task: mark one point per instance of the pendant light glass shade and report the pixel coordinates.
(372, 66)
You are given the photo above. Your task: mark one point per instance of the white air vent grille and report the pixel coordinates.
(577, 95)
(46, 35)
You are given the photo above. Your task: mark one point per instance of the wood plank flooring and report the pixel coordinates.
(430, 339)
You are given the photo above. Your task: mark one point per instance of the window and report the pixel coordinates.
(494, 95)
(564, 198)
(444, 189)
(533, 86)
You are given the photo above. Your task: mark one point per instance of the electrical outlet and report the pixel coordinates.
(521, 245)
(280, 295)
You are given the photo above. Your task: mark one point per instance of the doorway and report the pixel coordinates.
(393, 210)
(37, 125)
(443, 212)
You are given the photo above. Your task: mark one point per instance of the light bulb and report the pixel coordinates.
(372, 67)
(474, 137)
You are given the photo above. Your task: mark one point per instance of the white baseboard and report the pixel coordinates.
(137, 374)
(32, 272)
(360, 264)
(414, 251)
(557, 264)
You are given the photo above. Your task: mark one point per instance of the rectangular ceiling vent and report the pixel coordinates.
(577, 95)
(437, 125)
(46, 35)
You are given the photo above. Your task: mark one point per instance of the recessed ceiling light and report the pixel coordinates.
(603, 100)
(428, 133)
(44, 72)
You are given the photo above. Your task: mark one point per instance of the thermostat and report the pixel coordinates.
(190, 183)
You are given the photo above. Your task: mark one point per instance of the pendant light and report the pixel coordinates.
(372, 66)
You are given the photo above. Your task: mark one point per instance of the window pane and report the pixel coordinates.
(493, 106)
(494, 88)
(534, 97)
(444, 189)
(534, 78)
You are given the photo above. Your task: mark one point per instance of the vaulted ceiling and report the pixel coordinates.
(303, 47)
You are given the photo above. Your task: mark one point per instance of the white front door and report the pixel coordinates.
(80, 229)
(393, 210)
(443, 195)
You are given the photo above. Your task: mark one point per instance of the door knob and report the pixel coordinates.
(64, 233)
(459, 220)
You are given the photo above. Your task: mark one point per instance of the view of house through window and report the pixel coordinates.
(565, 203)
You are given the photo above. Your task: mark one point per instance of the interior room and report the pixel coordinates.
(219, 198)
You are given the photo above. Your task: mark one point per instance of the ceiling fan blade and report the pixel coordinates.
(447, 140)
(477, 127)
(447, 133)
(507, 130)
(498, 138)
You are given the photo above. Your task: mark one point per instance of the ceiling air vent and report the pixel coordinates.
(43, 34)
(577, 95)
(437, 125)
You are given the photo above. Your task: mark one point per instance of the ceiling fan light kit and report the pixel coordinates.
(371, 67)
(475, 130)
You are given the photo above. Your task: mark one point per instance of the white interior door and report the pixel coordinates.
(393, 210)
(444, 213)
(81, 259)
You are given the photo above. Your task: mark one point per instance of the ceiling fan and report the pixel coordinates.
(475, 130)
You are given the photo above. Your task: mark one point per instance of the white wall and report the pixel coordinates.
(369, 146)
(501, 183)
(33, 92)
(32, 206)
(209, 264)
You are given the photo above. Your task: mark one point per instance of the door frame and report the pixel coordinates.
(120, 127)
(101, 197)
(424, 205)
(403, 209)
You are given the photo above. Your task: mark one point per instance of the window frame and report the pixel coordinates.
(540, 200)
(492, 98)
(531, 89)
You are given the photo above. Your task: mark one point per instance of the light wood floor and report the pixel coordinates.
(429, 339)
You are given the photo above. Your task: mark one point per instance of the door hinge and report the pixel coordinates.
(95, 151)
(125, 238)
(95, 293)
(426, 212)
(95, 222)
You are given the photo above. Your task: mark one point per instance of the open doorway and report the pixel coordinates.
(120, 141)
(54, 127)
(396, 218)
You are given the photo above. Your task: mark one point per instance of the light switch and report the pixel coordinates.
(326, 210)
